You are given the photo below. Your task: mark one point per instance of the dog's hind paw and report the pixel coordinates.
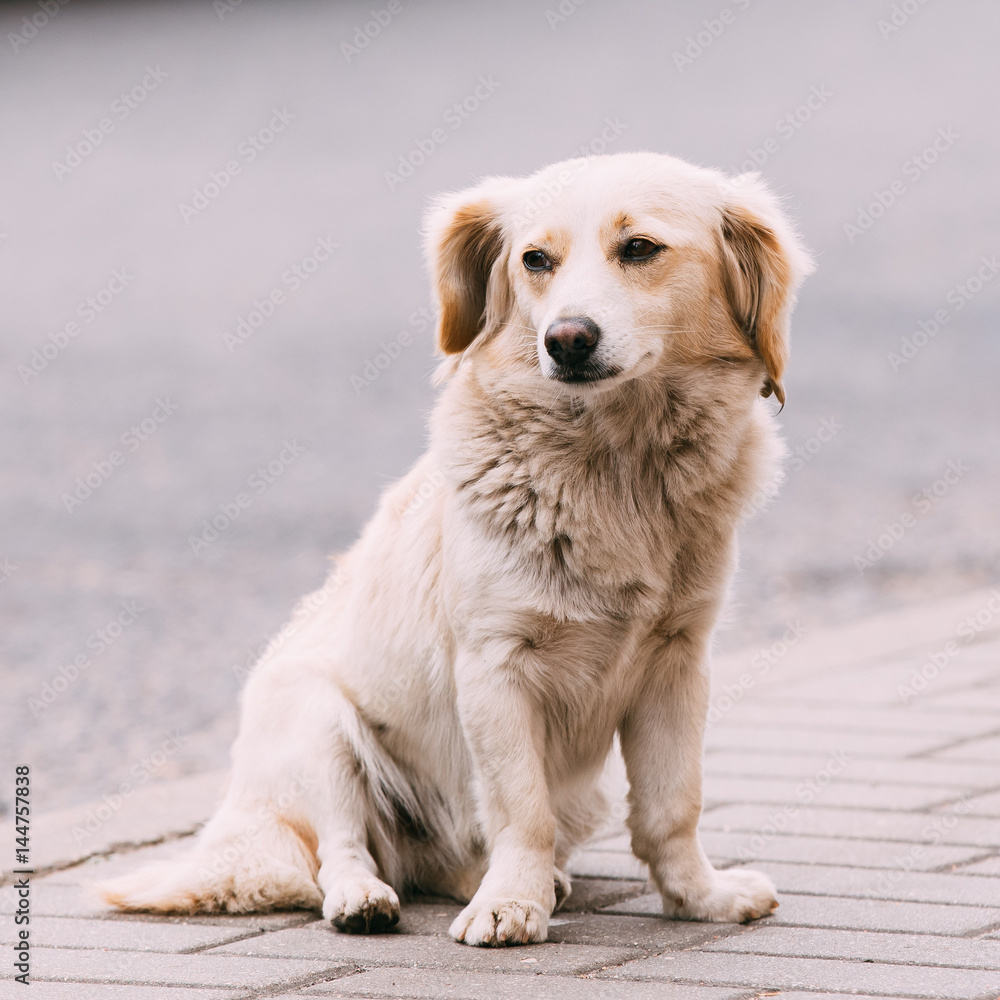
(499, 923)
(363, 906)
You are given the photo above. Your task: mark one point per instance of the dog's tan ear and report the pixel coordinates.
(467, 249)
(764, 262)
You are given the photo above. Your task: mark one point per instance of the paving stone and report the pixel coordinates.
(134, 935)
(853, 914)
(748, 847)
(607, 864)
(924, 771)
(594, 893)
(986, 749)
(780, 973)
(901, 719)
(987, 866)
(860, 824)
(865, 946)
(323, 942)
(851, 794)
(10, 990)
(921, 887)
(731, 737)
(145, 968)
(411, 984)
(652, 933)
(981, 805)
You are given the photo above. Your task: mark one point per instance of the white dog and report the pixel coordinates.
(545, 577)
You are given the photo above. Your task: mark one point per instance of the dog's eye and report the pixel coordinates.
(535, 260)
(640, 249)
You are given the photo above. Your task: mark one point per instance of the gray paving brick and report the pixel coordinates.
(595, 893)
(851, 794)
(854, 914)
(121, 935)
(922, 771)
(860, 823)
(986, 749)
(652, 933)
(828, 850)
(900, 719)
(607, 864)
(920, 887)
(866, 946)
(414, 984)
(983, 805)
(780, 973)
(10, 990)
(732, 737)
(987, 866)
(323, 942)
(145, 968)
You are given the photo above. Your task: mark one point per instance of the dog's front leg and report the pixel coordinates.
(506, 737)
(661, 739)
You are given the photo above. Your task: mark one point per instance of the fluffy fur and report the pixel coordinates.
(547, 576)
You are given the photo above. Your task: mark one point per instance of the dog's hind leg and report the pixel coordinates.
(298, 812)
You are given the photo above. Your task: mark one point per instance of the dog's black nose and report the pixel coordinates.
(571, 341)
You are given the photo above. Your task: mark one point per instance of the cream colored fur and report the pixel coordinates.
(547, 576)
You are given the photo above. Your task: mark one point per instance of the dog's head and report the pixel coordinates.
(592, 272)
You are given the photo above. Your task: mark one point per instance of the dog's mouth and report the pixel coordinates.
(592, 371)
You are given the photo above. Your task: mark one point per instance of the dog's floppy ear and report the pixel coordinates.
(763, 263)
(467, 249)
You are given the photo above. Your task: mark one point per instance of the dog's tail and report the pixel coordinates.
(244, 862)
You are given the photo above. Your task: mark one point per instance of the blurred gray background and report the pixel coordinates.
(315, 103)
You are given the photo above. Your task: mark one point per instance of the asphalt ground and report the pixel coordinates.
(177, 163)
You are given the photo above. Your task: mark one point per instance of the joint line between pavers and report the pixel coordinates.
(123, 847)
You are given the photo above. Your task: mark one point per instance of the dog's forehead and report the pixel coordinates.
(605, 194)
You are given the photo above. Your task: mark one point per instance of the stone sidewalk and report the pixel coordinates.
(859, 767)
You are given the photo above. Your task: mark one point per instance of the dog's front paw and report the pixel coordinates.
(500, 923)
(733, 896)
(362, 906)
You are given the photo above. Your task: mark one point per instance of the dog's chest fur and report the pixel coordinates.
(613, 510)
